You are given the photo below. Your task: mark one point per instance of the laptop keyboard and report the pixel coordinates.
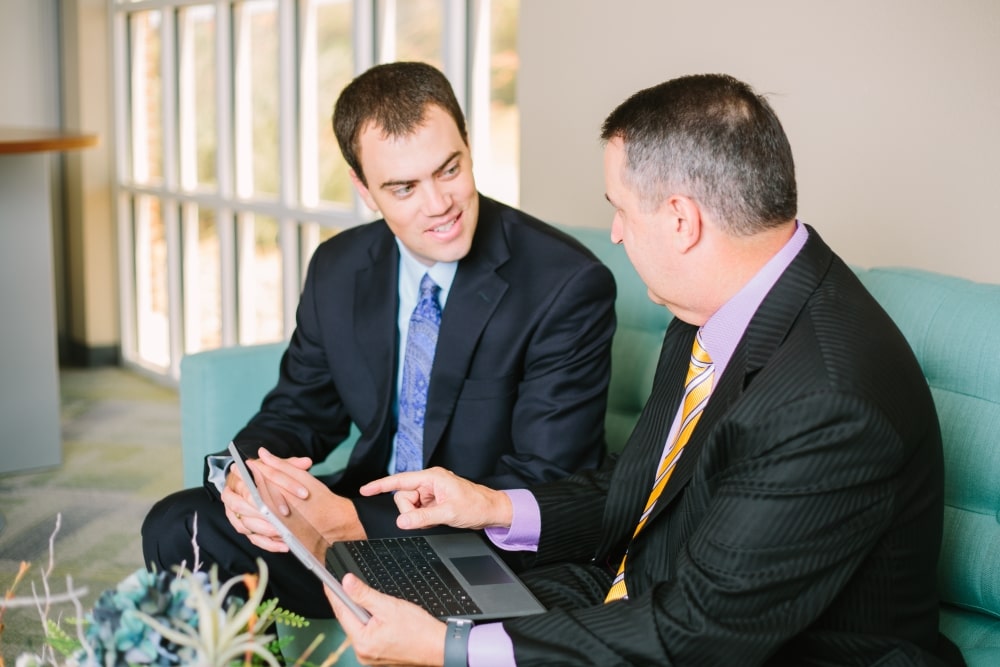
(408, 568)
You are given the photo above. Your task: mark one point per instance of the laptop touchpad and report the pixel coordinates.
(481, 570)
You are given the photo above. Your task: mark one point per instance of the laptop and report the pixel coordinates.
(454, 575)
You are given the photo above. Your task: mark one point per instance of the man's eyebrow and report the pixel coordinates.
(395, 184)
(444, 165)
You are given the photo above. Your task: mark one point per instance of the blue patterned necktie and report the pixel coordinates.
(417, 361)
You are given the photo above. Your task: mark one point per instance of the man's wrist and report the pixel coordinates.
(456, 642)
(506, 509)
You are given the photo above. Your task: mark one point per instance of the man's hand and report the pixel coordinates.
(398, 633)
(436, 496)
(244, 516)
(335, 517)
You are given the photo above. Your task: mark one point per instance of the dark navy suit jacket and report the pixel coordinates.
(518, 389)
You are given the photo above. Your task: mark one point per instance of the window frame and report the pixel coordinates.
(300, 214)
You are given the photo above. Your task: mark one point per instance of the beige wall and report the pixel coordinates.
(93, 320)
(54, 71)
(892, 108)
(29, 63)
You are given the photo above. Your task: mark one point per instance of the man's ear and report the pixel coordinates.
(362, 189)
(685, 217)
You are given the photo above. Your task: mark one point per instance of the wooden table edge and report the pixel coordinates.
(27, 140)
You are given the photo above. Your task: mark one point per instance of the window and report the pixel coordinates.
(228, 174)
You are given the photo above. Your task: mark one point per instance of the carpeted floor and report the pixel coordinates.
(121, 453)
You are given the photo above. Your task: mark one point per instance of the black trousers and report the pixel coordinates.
(568, 585)
(168, 535)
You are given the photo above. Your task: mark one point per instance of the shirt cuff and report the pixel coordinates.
(525, 526)
(490, 646)
(217, 466)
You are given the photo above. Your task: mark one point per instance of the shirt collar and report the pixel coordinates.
(723, 331)
(411, 271)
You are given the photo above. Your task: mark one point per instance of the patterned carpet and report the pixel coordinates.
(121, 452)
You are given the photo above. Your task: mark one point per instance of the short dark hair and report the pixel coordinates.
(393, 97)
(712, 138)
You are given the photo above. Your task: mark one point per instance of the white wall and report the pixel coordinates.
(29, 63)
(892, 108)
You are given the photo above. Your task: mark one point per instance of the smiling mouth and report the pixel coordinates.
(445, 227)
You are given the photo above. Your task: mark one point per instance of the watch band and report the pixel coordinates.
(456, 642)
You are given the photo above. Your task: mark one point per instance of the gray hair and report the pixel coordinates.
(712, 138)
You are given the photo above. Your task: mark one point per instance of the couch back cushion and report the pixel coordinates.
(220, 390)
(953, 326)
(636, 346)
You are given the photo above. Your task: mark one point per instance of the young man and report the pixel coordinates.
(780, 501)
(502, 375)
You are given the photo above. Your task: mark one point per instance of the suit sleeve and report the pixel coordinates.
(784, 530)
(303, 415)
(557, 423)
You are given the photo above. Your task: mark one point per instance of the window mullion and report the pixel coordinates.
(225, 174)
(191, 263)
(246, 305)
(169, 73)
(287, 94)
(289, 165)
(127, 275)
(240, 111)
(175, 329)
(385, 30)
(168, 107)
(288, 242)
(367, 22)
(186, 106)
(479, 84)
(227, 273)
(308, 140)
(364, 34)
(454, 49)
(223, 99)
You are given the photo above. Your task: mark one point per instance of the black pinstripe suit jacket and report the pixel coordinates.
(803, 522)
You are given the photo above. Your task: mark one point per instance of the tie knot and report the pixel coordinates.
(428, 288)
(699, 354)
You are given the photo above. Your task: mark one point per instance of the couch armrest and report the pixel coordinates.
(220, 390)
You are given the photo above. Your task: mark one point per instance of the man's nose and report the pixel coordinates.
(436, 200)
(616, 230)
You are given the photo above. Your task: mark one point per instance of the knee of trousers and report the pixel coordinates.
(172, 523)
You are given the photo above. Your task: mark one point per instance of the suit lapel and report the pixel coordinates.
(376, 299)
(728, 389)
(474, 297)
(635, 469)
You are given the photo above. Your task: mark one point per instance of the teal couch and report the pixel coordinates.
(221, 389)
